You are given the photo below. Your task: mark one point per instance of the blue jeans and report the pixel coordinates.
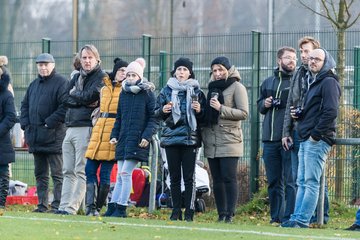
(105, 171)
(295, 163)
(123, 185)
(312, 158)
(281, 182)
(357, 217)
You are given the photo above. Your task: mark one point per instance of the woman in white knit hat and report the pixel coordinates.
(133, 129)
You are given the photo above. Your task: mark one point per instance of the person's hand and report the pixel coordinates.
(196, 106)
(113, 141)
(144, 143)
(285, 142)
(167, 107)
(215, 104)
(268, 102)
(292, 112)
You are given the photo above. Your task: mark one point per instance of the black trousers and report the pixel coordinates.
(181, 162)
(223, 171)
(43, 162)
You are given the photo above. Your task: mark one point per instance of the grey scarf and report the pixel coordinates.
(142, 84)
(188, 87)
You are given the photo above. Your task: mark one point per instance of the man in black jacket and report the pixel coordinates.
(316, 129)
(42, 118)
(272, 102)
(83, 95)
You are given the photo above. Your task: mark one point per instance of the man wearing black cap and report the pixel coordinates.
(42, 118)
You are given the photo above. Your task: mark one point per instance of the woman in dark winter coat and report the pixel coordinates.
(7, 121)
(181, 105)
(133, 129)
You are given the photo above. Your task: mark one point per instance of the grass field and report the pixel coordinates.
(21, 223)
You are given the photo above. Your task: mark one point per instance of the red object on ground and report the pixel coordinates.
(21, 200)
(139, 180)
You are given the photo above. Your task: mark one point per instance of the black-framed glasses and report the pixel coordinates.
(315, 59)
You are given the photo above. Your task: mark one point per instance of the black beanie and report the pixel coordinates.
(118, 63)
(185, 62)
(222, 61)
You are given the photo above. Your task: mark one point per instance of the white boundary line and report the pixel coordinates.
(183, 228)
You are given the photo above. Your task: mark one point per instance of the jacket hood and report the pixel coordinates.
(4, 82)
(329, 65)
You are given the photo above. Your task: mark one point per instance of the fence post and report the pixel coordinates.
(163, 58)
(153, 170)
(146, 52)
(355, 156)
(45, 45)
(255, 119)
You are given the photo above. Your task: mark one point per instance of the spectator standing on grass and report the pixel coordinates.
(181, 105)
(226, 106)
(272, 103)
(133, 130)
(82, 97)
(7, 121)
(298, 86)
(316, 130)
(356, 224)
(3, 65)
(42, 118)
(100, 153)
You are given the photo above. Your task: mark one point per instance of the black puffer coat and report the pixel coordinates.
(43, 113)
(179, 133)
(7, 121)
(135, 120)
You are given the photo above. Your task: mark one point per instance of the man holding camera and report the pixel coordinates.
(316, 130)
(272, 103)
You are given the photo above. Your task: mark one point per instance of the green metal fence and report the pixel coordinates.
(252, 53)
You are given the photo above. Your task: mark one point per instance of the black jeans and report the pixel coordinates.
(225, 186)
(43, 162)
(4, 183)
(181, 159)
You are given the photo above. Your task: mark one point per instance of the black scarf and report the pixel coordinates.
(218, 86)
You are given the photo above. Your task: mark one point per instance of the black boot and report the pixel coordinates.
(229, 218)
(4, 187)
(102, 196)
(176, 214)
(189, 215)
(120, 211)
(111, 207)
(91, 192)
(222, 216)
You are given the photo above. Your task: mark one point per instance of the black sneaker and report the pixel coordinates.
(353, 227)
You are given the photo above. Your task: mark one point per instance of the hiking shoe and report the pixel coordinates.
(353, 227)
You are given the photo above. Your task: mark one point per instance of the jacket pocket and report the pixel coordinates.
(45, 135)
(230, 134)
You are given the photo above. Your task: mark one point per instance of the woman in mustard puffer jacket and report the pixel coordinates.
(100, 152)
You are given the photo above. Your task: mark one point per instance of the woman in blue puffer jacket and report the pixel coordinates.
(181, 105)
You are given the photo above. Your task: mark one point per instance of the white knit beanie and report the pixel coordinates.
(137, 67)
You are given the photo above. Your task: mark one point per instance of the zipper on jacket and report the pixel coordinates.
(277, 95)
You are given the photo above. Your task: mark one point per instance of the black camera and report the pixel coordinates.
(290, 145)
(276, 102)
(298, 111)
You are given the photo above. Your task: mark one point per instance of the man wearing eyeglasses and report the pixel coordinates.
(316, 130)
(298, 87)
(272, 102)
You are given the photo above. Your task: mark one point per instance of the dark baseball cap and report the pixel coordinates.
(45, 58)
